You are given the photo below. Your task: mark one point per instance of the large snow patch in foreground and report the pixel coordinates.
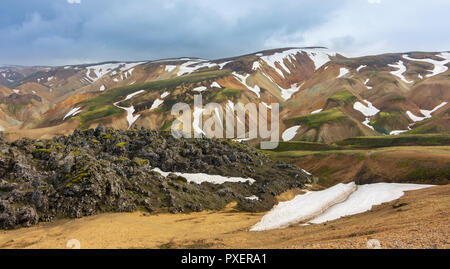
(304, 207)
(365, 197)
(333, 203)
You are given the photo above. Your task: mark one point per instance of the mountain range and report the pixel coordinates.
(323, 96)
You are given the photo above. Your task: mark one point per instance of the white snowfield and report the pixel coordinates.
(439, 66)
(317, 111)
(170, 68)
(398, 132)
(130, 110)
(426, 113)
(158, 102)
(102, 88)
(333, 203)
(365, 197)
(304, 207)
(243, 80)
(199, 89)
(256, 65)
(368, 110)
(360, 67)
(215, 85)
(290, 133)
(286, 94)
(221, 65)
(399, 73)
(199, 178)
(253, 198)
(319, 56)
(193, 65)
(365, 83)
(129, 96)
(72, 112)
(164, 95)
(103, 69)
(414, 117)
(342, 72)
(366, 123)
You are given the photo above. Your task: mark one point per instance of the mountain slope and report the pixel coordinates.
(328, 96)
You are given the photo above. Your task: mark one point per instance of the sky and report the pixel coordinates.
(60, 32)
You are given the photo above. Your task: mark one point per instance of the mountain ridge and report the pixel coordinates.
(302, 80)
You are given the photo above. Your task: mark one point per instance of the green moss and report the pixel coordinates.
(315, 121)
(101, 107)
(302, 145)
(167, 124)
(343, 97)
(121, 144)
(77, 178)
(224, 94)
(44, 150)
(140, 162)
(399, 140)
(387, 121)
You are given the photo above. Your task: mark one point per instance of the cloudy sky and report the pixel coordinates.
(58, 32)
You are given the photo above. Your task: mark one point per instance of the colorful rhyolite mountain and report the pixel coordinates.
(323, 95)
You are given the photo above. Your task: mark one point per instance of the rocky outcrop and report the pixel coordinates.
(106, 170)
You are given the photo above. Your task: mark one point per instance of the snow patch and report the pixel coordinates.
(170, 68)
(223, 64)
(360, 67)
(365, 83)
(252, 198)
(439, 66)
(243, 80)
(366, 123)
(426, 113)
(398, 132)
(130, 110)
(365, 197)
(414, 117)
(102, 88)
(399, 73)
(72, 112)
(287, 93)
(290, 133)
(317, 111)
(304, 207)
(342, 72)
(215, 85)
(164, 95)
(199, 89)
(158, 102)
(191, 66)
(368, 110)
(256, 65)
(199, 178)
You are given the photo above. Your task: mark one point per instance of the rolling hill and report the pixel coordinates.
(323, 96)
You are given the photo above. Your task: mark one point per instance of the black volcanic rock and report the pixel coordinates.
(106, 170)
